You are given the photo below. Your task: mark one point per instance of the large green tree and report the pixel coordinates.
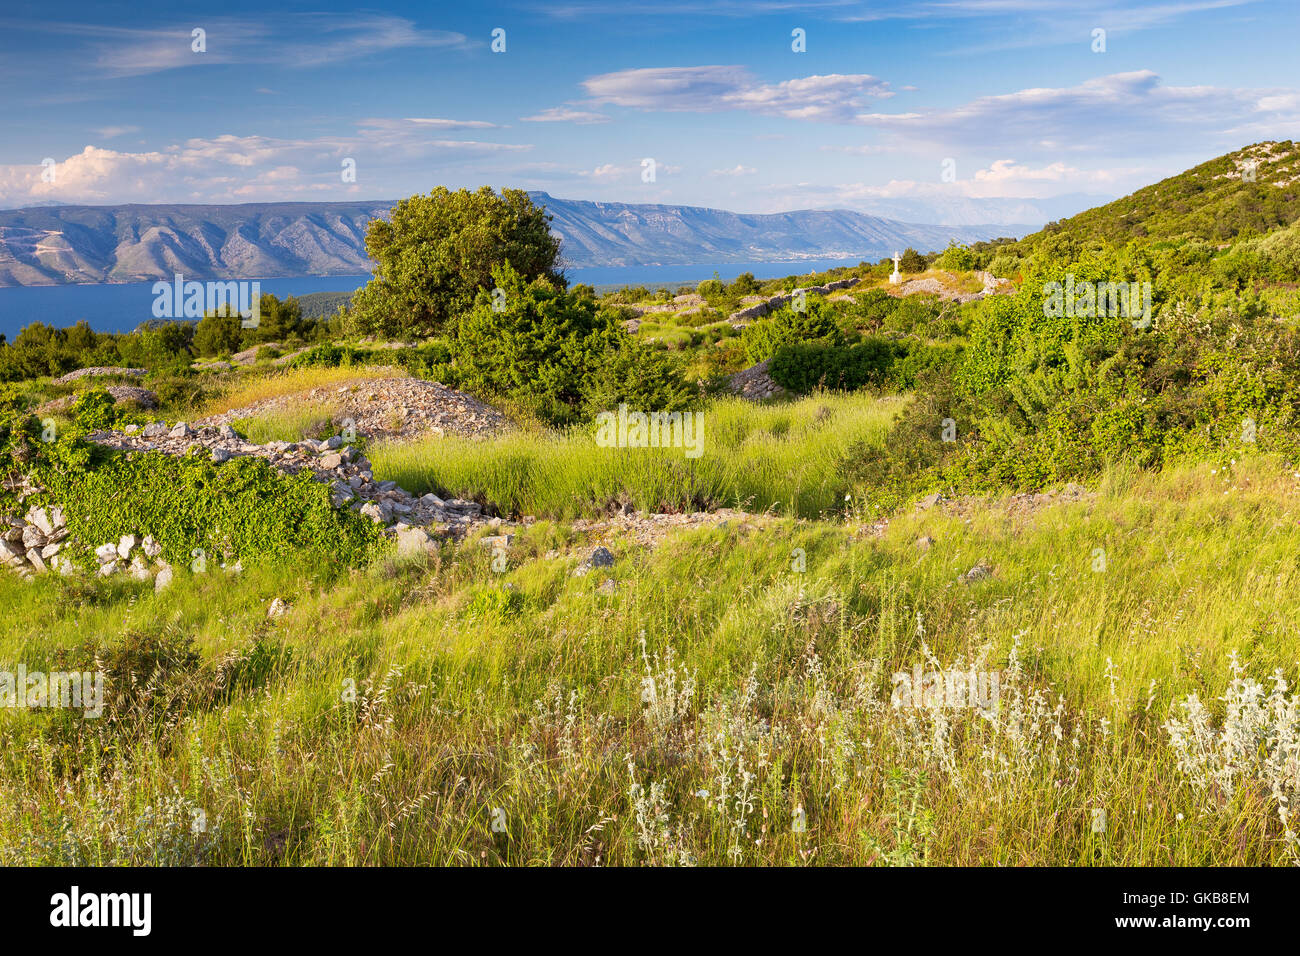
(436, 252)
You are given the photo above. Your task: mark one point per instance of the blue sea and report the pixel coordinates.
(121, 307)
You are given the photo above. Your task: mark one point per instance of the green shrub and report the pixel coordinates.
(218, 334)
(803, 366)
(538, 345)
(94, 409)
(1005, 266)
(243, 510)
(817, 322)
(432, 359)
(921, 358)
(640, 375)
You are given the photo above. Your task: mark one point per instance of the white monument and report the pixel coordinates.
(896, 277)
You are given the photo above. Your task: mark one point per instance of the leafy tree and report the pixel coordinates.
(278, 321)
(911, 261)
(436, 253)
(957, 258)
(217, 334)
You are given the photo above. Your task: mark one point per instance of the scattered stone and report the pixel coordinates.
(163, 579)
(415, 541)
(125, 544)
(924, 542)
(279, 608)
(979, 572)
(599, 558)
(41, 518)
(139, 569)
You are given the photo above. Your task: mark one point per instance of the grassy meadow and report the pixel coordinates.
(716, 705)
(997, 583)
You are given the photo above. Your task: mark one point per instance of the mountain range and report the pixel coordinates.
(56, 245)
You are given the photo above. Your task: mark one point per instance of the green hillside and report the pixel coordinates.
(1214, 201)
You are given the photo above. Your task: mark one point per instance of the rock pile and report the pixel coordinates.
(686, 304)
(992, 286)
(386, 408)
(138, 556)
(762, 308)
(99, 370)
(32, 544)
(755, 383)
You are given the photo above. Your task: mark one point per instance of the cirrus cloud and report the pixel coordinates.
(707, 89)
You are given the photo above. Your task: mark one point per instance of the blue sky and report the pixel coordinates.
(1034, 121)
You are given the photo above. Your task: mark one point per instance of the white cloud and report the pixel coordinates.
(608, 172)
(613, 172)
(228, 167)
(1005, 191)
(563, 114)
(293, 40)
(866, 150)
(737, 170)
(109, 132)
(1123, 112)
(706, 89)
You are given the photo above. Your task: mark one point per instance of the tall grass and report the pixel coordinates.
(298, 421)
(788, 458)
(715, 706)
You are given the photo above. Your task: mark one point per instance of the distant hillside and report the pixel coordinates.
(640, 234)
(66, 244)
(54, 245)
(1211, 201)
